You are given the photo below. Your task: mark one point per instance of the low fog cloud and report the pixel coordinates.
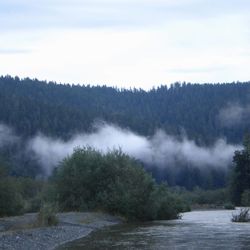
(7, 136)
(106, 137)
(161, 149)
(234, 115)
(167, 149)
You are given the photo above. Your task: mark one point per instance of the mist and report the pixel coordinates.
(234, 115)
(7, 136)
(161, 150)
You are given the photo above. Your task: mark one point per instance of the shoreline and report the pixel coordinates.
(72, 226)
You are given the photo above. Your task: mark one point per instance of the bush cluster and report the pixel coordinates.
(18, 194)
(113, 182)
(47, 216)
(243, 216)
(11, 202)
(201, 197)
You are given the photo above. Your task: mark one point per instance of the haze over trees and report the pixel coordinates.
(202, 113)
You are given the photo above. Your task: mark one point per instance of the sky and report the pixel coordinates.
(126, 43)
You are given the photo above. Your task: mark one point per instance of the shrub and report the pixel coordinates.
(243, 216)
(113, 182)
(30, 190)
(11, 202)
(47, 216)
(245, 198)
(164, 205)
(198, 196)
(33, 205)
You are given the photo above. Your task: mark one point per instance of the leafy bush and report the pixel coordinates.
(245, 198)
(47, 216)
(240, 179)
(45, 195)
(113, 182)
(18, 194)
(164, 205)
(11, 202)
(217, 197)
(243, 216)
(30, 190)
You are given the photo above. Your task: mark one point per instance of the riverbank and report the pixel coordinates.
(19, 233)
(204, 229)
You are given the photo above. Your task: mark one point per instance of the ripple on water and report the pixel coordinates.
(197, 230)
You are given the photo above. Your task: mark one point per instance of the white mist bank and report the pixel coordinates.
(162, 150)
(7, 136)
(234, 114)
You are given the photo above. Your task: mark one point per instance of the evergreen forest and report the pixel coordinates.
(203, 113)
(61, 110)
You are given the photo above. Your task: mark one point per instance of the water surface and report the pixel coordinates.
(196, 230)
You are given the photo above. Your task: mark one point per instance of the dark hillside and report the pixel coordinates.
(203, 113)
(62, 110)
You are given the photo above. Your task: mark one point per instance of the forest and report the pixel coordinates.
(202, 113)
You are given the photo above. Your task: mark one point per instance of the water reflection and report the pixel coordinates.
(197, 230)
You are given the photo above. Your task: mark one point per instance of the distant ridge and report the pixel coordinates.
(204, 112)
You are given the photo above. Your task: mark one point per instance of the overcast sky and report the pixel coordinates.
(137, 43)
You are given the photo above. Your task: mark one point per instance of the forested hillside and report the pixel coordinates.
(204, 112)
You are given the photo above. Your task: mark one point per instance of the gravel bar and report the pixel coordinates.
(71, 226)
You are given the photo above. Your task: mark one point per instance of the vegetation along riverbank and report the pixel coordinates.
(152, 176)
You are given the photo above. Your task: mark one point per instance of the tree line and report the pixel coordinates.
(61, 110)
(89, 180)
(118, 184)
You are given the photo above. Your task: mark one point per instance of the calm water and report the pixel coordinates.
(196, 230)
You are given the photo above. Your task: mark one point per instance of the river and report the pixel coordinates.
(196, 230)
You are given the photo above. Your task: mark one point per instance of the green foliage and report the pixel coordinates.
(11, 202)
(165, 205)
(3, 169)
(190, 177)
(18, 194)
(245, 198)
(34, 204)
(200, 197)
(113, 182)
(30, 191)
(47, 216)
(29, 106)
(241, 173)
(28, 187)
(55, 109)
(48, 193)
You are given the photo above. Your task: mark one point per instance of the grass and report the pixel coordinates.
(243, 216)
(47, 216)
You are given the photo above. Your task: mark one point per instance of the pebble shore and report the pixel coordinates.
(71, 226)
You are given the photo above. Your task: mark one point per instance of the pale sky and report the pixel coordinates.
(126, 43)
